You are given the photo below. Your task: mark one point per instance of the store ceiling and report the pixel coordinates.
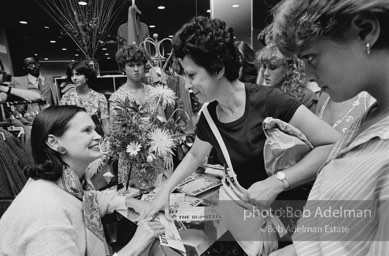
(35, 36)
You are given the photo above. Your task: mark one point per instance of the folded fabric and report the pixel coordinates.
(285, 145)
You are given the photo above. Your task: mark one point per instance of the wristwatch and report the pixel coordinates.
(282, 177)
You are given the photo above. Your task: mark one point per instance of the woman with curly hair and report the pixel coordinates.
(131, 60)
(288, 74)
(206, 50)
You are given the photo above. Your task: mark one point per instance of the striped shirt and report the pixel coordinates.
(356, 172)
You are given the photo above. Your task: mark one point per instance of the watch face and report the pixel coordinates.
(281, 175)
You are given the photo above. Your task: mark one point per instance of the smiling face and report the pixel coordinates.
(78, 79)
(197, 78)
(80, 141)
(339, 69)
(134, 70)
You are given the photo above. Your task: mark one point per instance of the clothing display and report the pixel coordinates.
(13, 158)
(41, 85)
(46, 219)
(356, 172)
(247, 155)
(133, 31)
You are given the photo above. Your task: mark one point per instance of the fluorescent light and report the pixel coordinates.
(235, 6)
(108, 58)
(47, 27)
(73, 60)
(64, 49)
(46, 58)
(53, 41)
(36, 54)
(104, 49)
(23, 22)
(82, 3)
(170, 36)
(152, 26)
(76, 54)
(107, 53)
(161, 7)
(209, 10)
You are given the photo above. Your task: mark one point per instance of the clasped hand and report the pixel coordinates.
(264, 192)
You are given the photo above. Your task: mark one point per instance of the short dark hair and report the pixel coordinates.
(30, 55)
(83, 68)
(130, 53)
(249, 70)
(210, 43)
(54, 120)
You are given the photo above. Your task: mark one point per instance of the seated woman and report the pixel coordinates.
(288, 74)
(95, 103)
(132, 60)
(345, 47)
(206, 50)
(53, 214)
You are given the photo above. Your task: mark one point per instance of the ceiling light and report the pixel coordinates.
(104, 49)
(76, 54)
(108, 58)
(23, 22)
(64, 49)
(209, 10)
(46, 58)
(53, 42)
(152, 26)
(161, 7)
(82, 3)
(36, 54)
(47, 27)
(73, 60)
(235, 6)
(107, 53)
(170, 36)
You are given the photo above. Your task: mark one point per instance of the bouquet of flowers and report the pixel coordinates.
(145, 139)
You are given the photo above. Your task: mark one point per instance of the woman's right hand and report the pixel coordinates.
(160, 202)
(146, 232)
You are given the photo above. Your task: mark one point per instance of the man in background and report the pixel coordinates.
(34, 81)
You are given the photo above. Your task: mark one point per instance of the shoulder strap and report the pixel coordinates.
(219, 138)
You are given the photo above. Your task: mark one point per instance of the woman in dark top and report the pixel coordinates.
(288, 74)
(205, 48)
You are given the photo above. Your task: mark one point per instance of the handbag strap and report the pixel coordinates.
(218, 137)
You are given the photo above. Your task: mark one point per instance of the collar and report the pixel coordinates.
(378, 130)
(32, 79)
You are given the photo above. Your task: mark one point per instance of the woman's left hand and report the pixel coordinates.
(263, 193)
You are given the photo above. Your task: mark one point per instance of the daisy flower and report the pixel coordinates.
(151, 157)
(161, 142)
(165, 94)
(133, 148)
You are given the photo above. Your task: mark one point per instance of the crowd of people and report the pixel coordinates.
(342, 46)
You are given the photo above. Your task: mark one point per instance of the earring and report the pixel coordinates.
(61, 150)
(367, 48)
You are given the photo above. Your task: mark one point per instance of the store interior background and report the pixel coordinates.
(17, 39)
